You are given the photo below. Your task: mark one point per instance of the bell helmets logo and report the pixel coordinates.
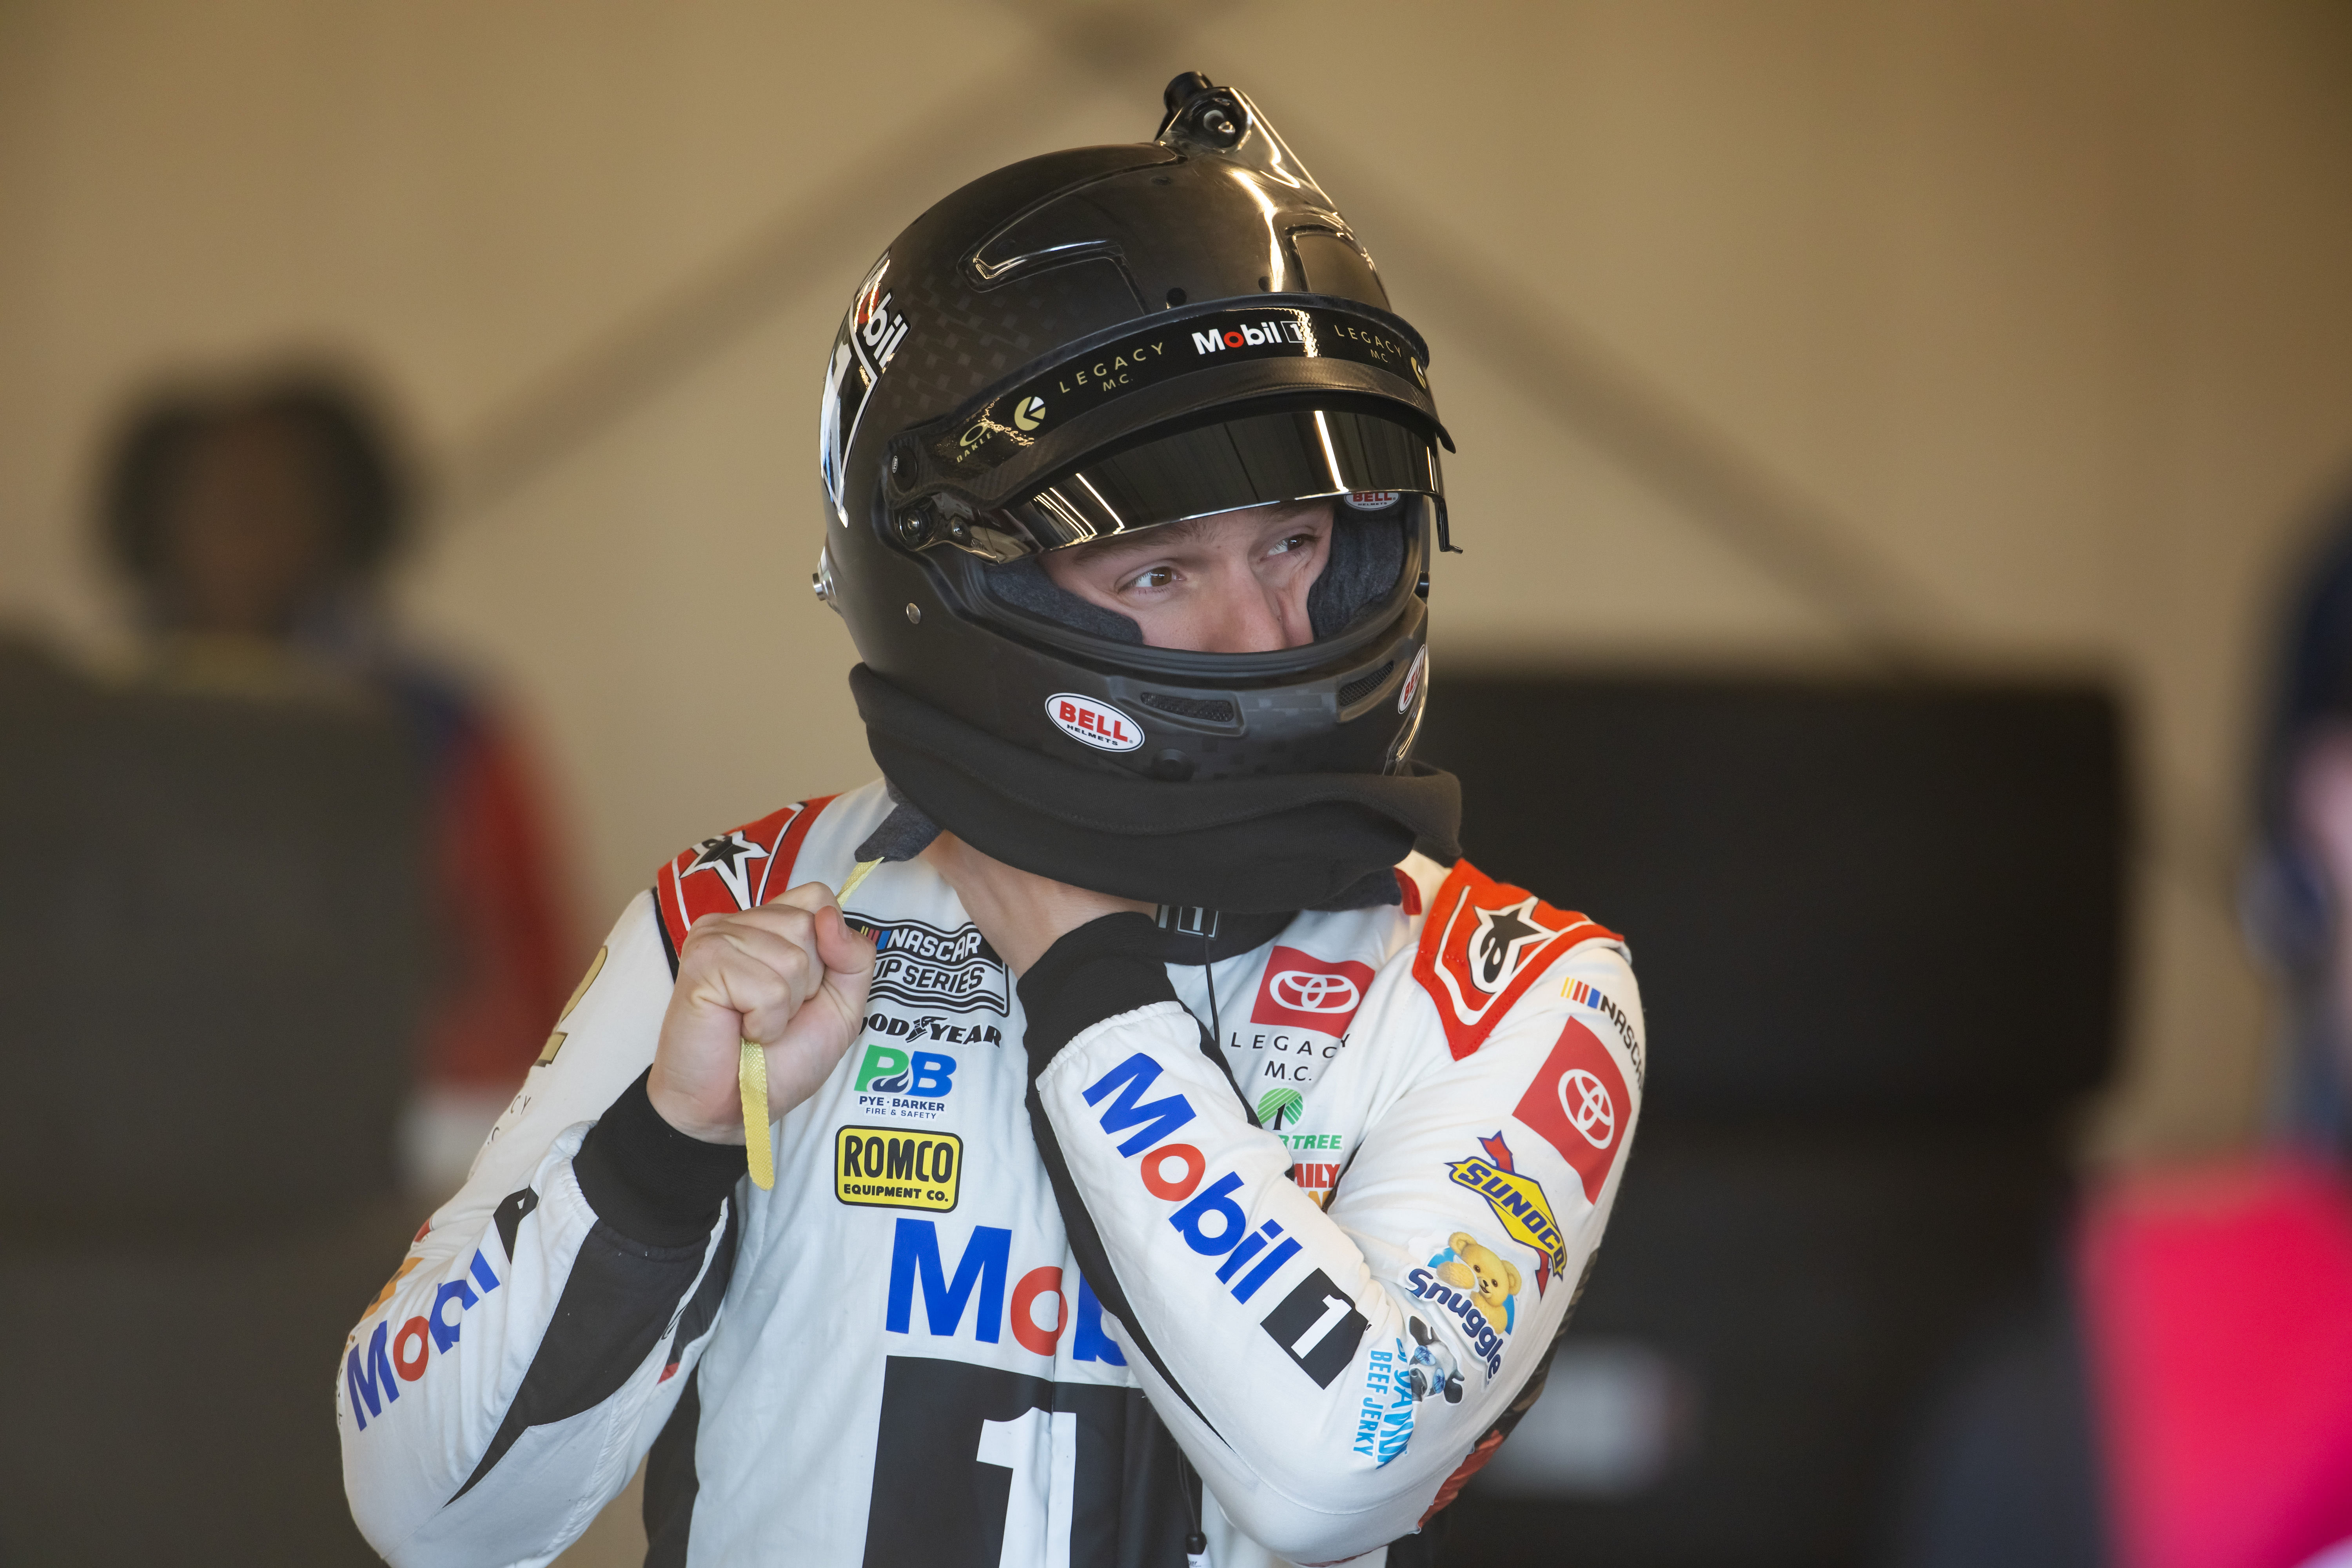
(1305, 992)
(1096, 724)
(1371, 500)
(1412, 686)
(1579, 1105)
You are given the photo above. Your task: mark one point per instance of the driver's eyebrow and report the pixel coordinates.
(1117, 546)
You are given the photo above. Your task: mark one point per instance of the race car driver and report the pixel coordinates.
(1180, 1153)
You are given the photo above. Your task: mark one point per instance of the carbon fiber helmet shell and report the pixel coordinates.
(1085, 304)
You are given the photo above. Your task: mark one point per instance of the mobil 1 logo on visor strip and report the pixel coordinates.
(1016, 420)
(1092, 724)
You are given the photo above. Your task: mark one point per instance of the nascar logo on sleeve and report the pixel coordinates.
(1482, 945)
(1589, 996)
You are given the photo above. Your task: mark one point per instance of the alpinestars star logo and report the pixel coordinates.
(731, 857)
(1502, 935)
(1482, 945)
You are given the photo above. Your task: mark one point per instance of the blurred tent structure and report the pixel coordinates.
(1884, 339)
(210, 965)
(1878, 927)
(1847, 335)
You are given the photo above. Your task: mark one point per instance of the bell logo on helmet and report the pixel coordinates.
(1412, 686)
(1371, 500)
(1098, 724)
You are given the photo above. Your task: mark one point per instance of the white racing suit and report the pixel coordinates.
(1046, 1278)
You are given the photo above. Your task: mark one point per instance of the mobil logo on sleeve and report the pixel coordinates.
(1303, 992)
(1092, 724)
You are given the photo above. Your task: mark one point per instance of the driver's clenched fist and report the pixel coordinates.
(790, 975)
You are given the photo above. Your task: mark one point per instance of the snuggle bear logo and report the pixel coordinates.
(1491, 1280)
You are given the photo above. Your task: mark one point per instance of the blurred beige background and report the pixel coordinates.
(1991, 334)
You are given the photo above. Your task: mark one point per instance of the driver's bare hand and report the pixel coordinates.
(790, 975)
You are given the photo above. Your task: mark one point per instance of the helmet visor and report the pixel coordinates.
(1254, 461)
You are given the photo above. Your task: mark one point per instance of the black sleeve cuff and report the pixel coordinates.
(648, 1179)
(1106, 967)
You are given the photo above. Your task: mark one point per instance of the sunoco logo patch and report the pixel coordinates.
(891, 1168)
(1519, 1201)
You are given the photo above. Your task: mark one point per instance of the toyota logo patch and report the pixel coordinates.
(1585, 1099)
(1302, 992)
(1577, 1102)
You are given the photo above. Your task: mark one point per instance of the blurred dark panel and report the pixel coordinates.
(209, 947)
(210, 964)
(173, 1402)
(1877, 929)
(1862, 898)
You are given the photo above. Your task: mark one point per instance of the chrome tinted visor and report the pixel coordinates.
(1296, 454)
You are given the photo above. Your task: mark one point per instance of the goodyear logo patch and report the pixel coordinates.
(892, 1168)
(1520, 1203)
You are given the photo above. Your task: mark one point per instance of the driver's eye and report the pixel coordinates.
(1295, 542)
(1153, 577)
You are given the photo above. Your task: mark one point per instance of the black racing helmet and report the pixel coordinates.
(1104, 341)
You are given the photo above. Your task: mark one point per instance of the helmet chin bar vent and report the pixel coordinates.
(1214, 712)
(1364, 685)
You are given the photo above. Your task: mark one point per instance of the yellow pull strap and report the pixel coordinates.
(849, 883)
(751, 1076)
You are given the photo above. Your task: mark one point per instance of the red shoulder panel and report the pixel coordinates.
(734, 870)
(1482, 945)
